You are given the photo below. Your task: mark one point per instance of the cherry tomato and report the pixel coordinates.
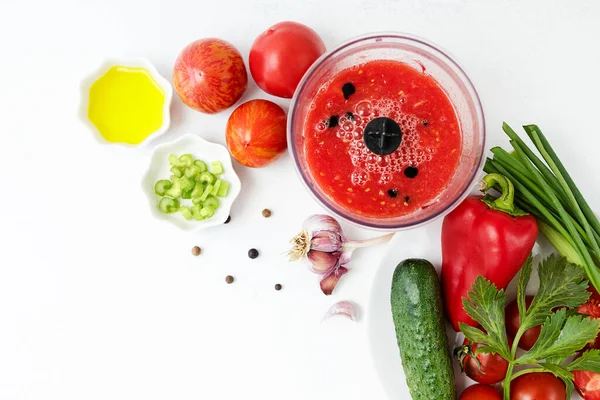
(281, 55)
(538, 386)
(592, 308)
(587, 384)
(491, 368)
(513, 323)
(480, 392)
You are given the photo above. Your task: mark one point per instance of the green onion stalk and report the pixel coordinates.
(544, 188)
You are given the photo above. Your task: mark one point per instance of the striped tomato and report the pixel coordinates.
(210, 75)
(256, 133)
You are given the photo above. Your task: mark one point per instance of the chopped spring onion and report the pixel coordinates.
(187, 195)
(216, 186)
(185, 212)
(175, 190)
(186, 183)
(168, 205)
(201, 164)
(191, 180)
(162, 186)
(217, 167)
(211, 202)
(223, 189)
(177, 171)
(186, 160)
(192, 171)
(206, 178)
(197, 191)
(207, 212)
(207, 191)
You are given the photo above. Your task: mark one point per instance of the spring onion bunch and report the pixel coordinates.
(544, 188)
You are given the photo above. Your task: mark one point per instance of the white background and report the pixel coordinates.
(100, 301)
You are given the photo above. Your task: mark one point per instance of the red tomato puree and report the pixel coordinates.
(398, 183)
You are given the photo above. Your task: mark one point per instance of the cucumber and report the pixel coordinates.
(418, 317)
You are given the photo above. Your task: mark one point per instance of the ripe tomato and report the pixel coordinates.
(280, 56)
(538, 385)
(592, 308)
(209, 75)
(491, 369)
(587, 384)
(480, 392)
(255, 133)
(513, 323)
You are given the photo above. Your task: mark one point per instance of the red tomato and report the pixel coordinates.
(480, 392)
(491, 369)
(538, 386)
(587, 384)
(592, 308)
(531, 335)
(209, 75)
(256, 133)
(281, 55)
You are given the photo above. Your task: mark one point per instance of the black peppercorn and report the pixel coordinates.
(253, 253)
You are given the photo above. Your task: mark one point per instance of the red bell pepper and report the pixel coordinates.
(483, 236)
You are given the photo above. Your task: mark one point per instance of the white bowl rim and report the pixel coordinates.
(234, 189)
(133, 62)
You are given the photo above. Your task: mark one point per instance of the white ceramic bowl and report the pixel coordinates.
(201, 149)
(86, 84)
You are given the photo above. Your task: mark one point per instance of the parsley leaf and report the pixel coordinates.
(589, 361)
(563, 332)
(561, 337)
(524, 276)
(485, 304)
(561, 284)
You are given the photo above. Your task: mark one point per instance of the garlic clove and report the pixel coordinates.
(326, 241)
(344, 308)
(321, 222)
(329, 281)
(322, 262)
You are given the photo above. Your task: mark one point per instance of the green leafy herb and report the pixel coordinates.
(563, 332)
(486, 305)
(589, 361)
(561, 285)
(556, 342)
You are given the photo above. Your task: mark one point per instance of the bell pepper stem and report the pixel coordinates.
(506, 201)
